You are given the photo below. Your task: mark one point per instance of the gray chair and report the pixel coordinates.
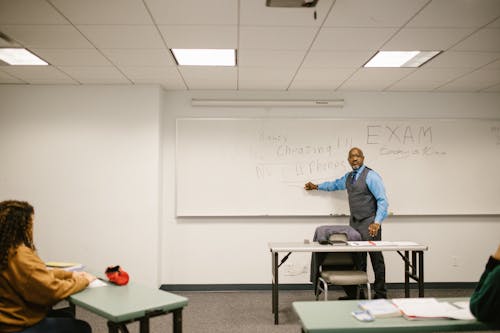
(339, 268)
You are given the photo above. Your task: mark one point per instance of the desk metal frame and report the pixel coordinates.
(413, 269)
(144, 302)
(335, 316)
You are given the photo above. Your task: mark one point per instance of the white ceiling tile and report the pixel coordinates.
(352, 39)
(269, 58)
(254, 13)
(493, 65)
(475, 81)
(494, 24)
(411, 39)
(453, 59)
(320, 78)
(276, 78)
(276, 38)
(194, 11)
(72, 57)
(139, 57)
(96, 75)
(39, 74)
(127, 41)
(29, 12)
(483, 40)
(375, 79)
(427, 79)
(103, 12)
(493, 89)
(315, 85)
(414, 86)
(47, 36)
(337, 59)
(372, 13)
(5, 78)
(7, 43)
(324, 74)
(442, 75)
(201, 77)
(123, 36)
(166, 76)
(457, 13)
(200, 36)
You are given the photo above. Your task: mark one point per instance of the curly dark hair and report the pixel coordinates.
(16, 228)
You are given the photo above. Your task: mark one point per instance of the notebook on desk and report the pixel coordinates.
(67, 266)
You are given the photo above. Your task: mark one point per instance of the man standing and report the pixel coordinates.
(368, 205)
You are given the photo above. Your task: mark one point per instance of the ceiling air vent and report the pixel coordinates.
(291, 3)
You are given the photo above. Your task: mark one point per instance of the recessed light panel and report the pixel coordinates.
(18, 56)
(205, 57)
(401, 58)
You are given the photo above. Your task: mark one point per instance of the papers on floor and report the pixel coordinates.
(380, 308)
(422, 308)
(416, 308)
(67, 266)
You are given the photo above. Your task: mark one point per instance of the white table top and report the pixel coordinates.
(358, 246)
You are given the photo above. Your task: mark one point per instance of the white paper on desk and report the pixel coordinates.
(462, 304)
(97, 283)
(421, 308)
(464, 311)
(384, 243)
(404, 243)
(360, 243)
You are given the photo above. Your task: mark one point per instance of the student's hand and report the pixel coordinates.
(373, 229)
(496, 255)
(310, 186)
(86, 275)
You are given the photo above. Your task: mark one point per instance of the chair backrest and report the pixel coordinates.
(338, 259)
(335, 259)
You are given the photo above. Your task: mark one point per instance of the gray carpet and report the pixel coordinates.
(242, 312)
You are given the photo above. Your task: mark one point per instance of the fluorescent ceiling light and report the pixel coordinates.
(20, 56)
(205, 57)
(401, 58)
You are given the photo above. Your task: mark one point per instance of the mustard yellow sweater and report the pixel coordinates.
(28, 289)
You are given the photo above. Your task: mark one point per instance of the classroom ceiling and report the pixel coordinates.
(280, 49)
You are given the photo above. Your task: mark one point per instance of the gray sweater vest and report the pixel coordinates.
(362, 203)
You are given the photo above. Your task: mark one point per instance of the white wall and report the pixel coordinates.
(234, 249)
(98, 164)
(88, 159)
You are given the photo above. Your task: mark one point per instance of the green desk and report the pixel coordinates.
(121, 305)
(335, 316)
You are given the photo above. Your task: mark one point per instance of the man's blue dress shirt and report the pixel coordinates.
(375, 185)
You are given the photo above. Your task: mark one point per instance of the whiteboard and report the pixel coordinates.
(254, 167)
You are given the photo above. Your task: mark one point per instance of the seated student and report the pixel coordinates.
(28, 290)
(485, 301)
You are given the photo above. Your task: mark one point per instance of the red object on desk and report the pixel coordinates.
(117, 275)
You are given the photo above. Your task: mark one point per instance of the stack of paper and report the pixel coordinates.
(422, 308)
(380, 308)
(67, 266)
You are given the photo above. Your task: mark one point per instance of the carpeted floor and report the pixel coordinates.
(241, 312)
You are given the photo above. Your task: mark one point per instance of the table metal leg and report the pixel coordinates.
(144, 325)
(177, 320)
(407, 275)
(420, 273)
(275, 291)
(115, 328)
